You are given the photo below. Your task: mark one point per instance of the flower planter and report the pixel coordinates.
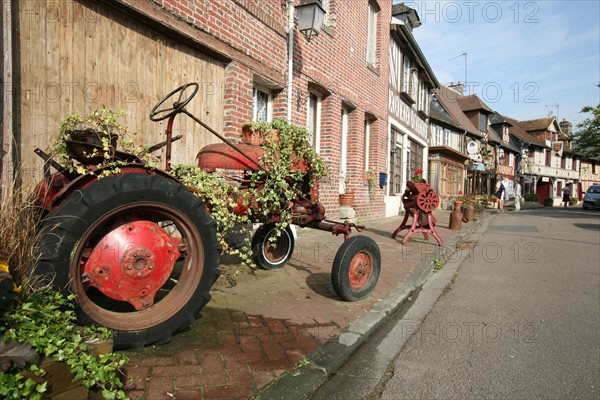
(93, 136)
(346, 199)
(59, 378)
(456, 217)
(257, 137)
(468, 212)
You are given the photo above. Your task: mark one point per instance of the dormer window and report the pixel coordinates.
(483, 122)
(505, 134)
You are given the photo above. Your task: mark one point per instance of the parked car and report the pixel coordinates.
(592, 197)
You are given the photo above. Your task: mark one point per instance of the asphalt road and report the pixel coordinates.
(515, 314)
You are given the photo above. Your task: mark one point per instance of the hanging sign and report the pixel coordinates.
(557, 147)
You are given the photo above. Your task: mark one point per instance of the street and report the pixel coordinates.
(515, 314)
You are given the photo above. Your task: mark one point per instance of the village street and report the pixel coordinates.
(518, 316)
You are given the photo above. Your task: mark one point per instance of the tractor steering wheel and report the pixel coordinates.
(158, 115)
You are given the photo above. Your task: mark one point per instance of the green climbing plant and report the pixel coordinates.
(289, 166)
(44, 323)
(105, 126)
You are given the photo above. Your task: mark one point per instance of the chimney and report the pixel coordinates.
(566, 127)
(458, 88)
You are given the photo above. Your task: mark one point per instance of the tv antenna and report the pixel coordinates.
(465, 56)
(557, 107)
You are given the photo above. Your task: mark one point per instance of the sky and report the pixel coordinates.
(525, 59)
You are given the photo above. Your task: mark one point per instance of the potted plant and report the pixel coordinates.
(255, 133)
(459, 199)
(418, 176)
(346, 199)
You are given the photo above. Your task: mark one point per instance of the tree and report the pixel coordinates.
(587, 137)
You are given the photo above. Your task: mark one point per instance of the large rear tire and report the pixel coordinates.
(356, 267)
(169, 233)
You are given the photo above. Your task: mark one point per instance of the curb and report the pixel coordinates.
(300, 382)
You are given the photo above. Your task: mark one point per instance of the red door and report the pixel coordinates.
(543, 190)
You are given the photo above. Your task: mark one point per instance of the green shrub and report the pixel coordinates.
(532, 197)
(548, 202)
(573, 201)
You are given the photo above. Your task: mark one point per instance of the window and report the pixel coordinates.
(559, 188)
(574, 164)
(406, 75)
(367, 142)
(501, 157)
(447, 137)
(483, 122)
(344, 150)
(563, 162)
(438, 135)
(423, 97)
(313, 123)
(505, 134)
(395, 182)
(548, 157)
(261, 104)
(415, 161)
(372, 34)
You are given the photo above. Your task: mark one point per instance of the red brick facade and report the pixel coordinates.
(252, 38)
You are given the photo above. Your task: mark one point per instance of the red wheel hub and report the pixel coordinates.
(361, 269)
(132, 262)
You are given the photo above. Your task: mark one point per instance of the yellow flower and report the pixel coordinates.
(3, 266)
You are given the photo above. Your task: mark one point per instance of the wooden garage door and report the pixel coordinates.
(78, 57)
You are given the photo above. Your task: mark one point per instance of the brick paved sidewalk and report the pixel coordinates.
(259, 326)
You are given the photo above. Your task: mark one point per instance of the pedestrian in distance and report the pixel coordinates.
(500, 193)
(566, 196)
(517, 187)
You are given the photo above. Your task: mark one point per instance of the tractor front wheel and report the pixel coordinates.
(139, 252)
(356, 267)
(272, 251)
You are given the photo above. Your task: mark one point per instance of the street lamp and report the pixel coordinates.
(310, 18)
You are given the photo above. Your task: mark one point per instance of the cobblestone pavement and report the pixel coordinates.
(259, 326)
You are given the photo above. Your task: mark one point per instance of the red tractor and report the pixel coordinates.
(139, 249)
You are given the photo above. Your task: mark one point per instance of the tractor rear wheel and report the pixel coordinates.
(139, 252)
(270, 251)
(356, 267)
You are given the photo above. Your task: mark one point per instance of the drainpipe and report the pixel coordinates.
(290, 82)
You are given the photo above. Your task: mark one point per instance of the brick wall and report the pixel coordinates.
(335, 61)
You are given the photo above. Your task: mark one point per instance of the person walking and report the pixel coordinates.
(517, 187)
(566, 196)
(500, 193)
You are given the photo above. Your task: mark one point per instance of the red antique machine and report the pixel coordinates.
(139, 249)
(419, 201)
